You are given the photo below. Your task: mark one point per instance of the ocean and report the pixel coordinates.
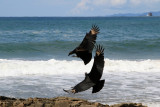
(34, 59)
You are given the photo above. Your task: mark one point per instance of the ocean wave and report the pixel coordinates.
(62, 67)
(136, 49)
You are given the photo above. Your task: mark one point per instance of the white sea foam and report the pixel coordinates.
(153, 104)
(56, 67)
(129, 66)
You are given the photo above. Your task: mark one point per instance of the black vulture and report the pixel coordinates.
(93, 78)
(84, 50)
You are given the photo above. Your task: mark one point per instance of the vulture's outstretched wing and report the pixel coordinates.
(89, 39)
(84, 50)
(82, 86)
(98, 65)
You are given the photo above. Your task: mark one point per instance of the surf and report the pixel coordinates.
(62, 67)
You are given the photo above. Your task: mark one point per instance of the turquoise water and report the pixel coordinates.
(47, 37)
(34, 58)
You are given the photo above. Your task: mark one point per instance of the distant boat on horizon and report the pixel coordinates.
(149, 14)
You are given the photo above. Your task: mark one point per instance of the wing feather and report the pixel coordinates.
(98, 65)
(84, 50)
(90, 39)
(84, 85)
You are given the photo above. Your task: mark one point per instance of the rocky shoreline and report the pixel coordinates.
(57, 102)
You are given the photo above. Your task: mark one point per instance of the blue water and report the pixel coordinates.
(54, 37)
(34, 59)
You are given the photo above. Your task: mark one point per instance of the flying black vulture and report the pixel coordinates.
(84, 50)
(93, 78)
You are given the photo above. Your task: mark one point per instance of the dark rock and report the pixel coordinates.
(57, 102)
(6, 98)
(128, 105)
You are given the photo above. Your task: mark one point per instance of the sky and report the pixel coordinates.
(75, 7)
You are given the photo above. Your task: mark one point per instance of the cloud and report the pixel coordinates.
(83, 5)
(109, 2)
(100, 2)
(89, 6)
(118, 2)
(145, 2)
(135, 2)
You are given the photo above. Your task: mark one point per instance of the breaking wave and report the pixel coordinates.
(62, 67)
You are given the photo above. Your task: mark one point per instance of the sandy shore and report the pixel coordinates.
(57, 102)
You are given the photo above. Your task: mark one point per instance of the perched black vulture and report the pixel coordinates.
(84, 50)
(93, 78)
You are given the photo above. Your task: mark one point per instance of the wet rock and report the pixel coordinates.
(57, 102)
(128, 105)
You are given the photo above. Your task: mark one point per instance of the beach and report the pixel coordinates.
(34, 61)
